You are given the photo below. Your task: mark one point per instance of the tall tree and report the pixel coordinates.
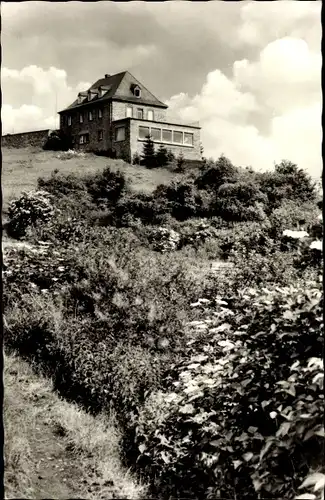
(149, 157)
(162, 156)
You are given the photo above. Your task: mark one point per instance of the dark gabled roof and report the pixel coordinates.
(119, 89)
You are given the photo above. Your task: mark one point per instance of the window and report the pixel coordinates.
(83, 138)
(143, 132)
(188, 138)
(129, 112)
(90, 116)
(140, 114)
(178, 137)
(100, 113)
(120, 134)
(69, 121)
(167, 135)
(150, 114)
(156, 134)
(100, 135)
(136, 90)
(81, 118)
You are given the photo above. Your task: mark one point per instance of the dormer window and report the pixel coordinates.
(102, 90)
(136, 90)
(81, 97)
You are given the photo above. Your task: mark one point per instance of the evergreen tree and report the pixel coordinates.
(162, 156)
(180, 163)
(149, 156)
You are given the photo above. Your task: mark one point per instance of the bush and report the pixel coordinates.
(239, 201)
(164, 240)
(59, 184)
(101, 188)
(136, 160)
(293, 215)
(57, 141)
(241, 415)
(216, 174)
(287, 182)
(180, 198)
(28, 210)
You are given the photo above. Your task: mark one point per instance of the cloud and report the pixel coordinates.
(32, 96)
(249, 71)
(283, 87)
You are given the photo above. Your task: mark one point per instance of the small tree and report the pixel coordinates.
(136, 160)
(170, 156)
(149, 156)
(162, 156)
(180, 163)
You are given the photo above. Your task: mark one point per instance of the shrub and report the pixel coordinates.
(57, 141)
(136, 160)
(27, 210)
(216, 174)
(239, 201)
(287, 182)
(59, 184)
(106, 186)
(180, 198)
(292, 215)
(164, 240)
(103, 187)
(241, 415)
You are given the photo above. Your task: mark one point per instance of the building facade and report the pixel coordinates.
(117, 113)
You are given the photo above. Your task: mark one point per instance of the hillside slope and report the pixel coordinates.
(22, 167)
(53, 449)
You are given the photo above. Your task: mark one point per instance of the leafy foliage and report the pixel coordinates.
(27, 210)
(287, 182)
(246, 402)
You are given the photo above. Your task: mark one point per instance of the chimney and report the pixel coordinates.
(107, 76)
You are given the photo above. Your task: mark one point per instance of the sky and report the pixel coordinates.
(249, 72)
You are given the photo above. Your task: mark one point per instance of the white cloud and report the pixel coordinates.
(24, 119)
(283, 87)
(45, 91)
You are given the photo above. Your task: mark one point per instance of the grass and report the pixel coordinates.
(22, 167)
(53, 449)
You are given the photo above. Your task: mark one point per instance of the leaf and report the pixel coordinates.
(257, 484)
(187, 409)
(236, 463)
(317, 478)
(306, 496)
(142, 448)
(248, 456)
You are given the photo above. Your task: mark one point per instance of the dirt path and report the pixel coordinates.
(46, 455)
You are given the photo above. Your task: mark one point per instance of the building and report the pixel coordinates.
(117, 113)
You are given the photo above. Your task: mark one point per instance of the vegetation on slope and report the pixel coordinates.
(107, 306)
(55, 450)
